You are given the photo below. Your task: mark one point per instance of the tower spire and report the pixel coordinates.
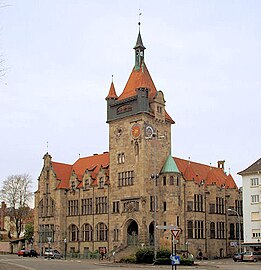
(139, 51)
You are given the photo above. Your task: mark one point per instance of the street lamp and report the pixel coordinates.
(239, 228)
(155, 178)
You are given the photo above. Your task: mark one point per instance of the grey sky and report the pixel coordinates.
(204, 55)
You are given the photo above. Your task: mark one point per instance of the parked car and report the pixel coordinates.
(27, 253)
(252, 256)
(238, 257)
(22, 252)
(33, 253)
(52, 254)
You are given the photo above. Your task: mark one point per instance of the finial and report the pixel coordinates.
(188, 160)
(79, 155)
(139, 18)
(111, 78)
(47, 146)
(229, 170)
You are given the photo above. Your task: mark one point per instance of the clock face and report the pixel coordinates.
(149, 131)
(135, 131)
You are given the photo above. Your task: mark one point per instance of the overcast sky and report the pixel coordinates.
(60, 55)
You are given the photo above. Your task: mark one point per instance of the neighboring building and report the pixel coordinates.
(107, 201)
(251, 181)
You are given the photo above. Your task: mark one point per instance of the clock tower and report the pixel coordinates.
(139, 144)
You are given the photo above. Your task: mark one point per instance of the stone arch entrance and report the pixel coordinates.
(151, 233)
(132, 233)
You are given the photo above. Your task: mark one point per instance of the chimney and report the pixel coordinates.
(221, 164)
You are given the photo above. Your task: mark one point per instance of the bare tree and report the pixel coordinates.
(17, 195)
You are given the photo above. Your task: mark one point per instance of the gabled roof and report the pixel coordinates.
(139, 78)
(254, 168)
(92, 163)
(201, 172)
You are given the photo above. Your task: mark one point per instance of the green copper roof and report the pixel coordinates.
(170, 166)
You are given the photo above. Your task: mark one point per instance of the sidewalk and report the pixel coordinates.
(197, 265)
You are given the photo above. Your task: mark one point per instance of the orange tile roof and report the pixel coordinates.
(63, 173)
(138, 78)
(192, 171)
(92, 163)
(112, 93)
(201, 172)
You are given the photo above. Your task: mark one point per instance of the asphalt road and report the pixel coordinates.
(13, 262)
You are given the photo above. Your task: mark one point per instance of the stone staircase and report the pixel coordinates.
(125, 252)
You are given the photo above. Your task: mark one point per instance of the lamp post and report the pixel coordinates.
(239, 229)
(155, 178)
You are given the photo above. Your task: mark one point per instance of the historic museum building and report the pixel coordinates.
(116, 199)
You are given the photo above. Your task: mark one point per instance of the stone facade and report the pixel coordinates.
(108, 201)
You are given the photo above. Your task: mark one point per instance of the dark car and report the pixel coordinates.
(32, 253)
(27, 253)
(238, 257)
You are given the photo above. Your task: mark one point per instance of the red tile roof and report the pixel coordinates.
(201, 172)
(112, 93)
(192, 171)
(138, 78)
(92, 163)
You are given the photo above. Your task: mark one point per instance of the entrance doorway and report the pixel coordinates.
(151, 233)
(132, 233)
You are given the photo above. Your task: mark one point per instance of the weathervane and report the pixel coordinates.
(139, 17)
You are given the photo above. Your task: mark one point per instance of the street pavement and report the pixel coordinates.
(13, 262)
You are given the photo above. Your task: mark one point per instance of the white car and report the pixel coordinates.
(52, 254)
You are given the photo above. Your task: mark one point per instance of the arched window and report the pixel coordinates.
(101, 232)
(190, 229)
(212, 230)
(73, 233)
(87, 232)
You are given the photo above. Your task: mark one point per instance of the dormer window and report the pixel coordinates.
(73, 185)
(101, 182)
(87, 183)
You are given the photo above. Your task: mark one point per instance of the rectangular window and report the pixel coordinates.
(254, 182)
(220, 230)
(239, 207)
(198, 202)
(152, 203)
(198, 229)
(116, 207)
(254, 198)
(126, 178)
(164, 181)
(164, 206)
(189, 206)
(220, 205)
(72, 207)
(101, 205)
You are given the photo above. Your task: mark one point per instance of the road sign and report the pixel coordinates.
(175, 259)
(166, 227)
(176, 232)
